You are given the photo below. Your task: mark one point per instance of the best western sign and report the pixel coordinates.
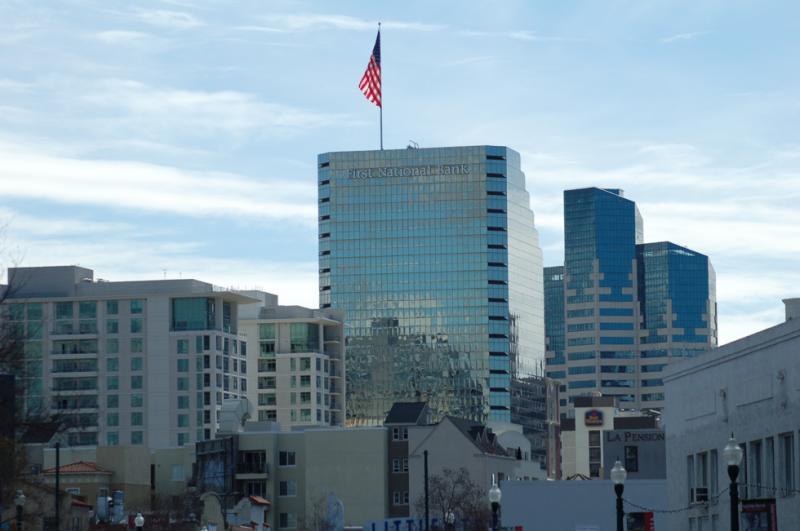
(408, 171)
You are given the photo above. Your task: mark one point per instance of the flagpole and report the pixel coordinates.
(381, 107)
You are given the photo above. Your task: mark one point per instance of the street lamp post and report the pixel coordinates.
(19, 501)
(450, 520)
(732, 453)
(618, 475)
(494, 498)
(139, 521)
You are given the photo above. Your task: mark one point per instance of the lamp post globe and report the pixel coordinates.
(732, 454)
(495, 495)
(139, 521)
(19, 501)
(618, 476)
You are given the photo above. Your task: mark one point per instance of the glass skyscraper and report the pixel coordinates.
(627, 308)
(434, 258)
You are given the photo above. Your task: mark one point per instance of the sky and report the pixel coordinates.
(178, 138)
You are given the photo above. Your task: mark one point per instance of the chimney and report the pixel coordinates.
(792, 308)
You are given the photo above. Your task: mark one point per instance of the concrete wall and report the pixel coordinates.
(752, 388)
(576, 505)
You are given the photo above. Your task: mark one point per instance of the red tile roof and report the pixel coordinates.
(81, 467)
(81, 503)
(258, 500)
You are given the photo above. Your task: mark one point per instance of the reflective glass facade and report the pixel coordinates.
(433, 256)
(554, 321)
(627, 306)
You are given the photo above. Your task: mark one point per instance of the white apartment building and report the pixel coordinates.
(297, 357)
(127, 363)
(751, 388)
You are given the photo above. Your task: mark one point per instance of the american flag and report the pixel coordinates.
(370, 83)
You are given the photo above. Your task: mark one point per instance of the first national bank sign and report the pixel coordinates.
(408, 171)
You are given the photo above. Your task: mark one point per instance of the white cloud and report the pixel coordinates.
(145, 107)
(520, 35)
(311, 21)
(683, 36)
(14, 85)
(136, 185)
(168, 19)
(122, 37)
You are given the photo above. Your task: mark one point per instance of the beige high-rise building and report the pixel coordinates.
(127, 363)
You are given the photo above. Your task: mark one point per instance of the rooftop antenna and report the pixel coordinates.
(412, 145)
(165, 273)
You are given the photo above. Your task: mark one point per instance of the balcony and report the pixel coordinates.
(252, 465)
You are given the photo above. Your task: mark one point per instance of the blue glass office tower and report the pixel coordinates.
(628, 307)
(554, 322)
(434, 257)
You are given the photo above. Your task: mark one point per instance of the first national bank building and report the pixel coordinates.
(435, 260)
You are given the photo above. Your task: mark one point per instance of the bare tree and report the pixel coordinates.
(455, 490)
(317, 517)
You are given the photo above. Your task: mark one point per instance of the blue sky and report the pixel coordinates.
(181, 136)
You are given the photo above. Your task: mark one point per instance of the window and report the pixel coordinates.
(287, 488)
(137, 326)
(632, 458)
(137, 382)
(112, 438)
(177, 473)
(183, 384)
(305, 381)
(286, 458)
(183, 421)
(87, 310)
(183, 402)
(690, 477)
(112, 326)
(112, 401)
(136, 418)
(112, 346)
(769, 463)
(305, 364)
(136, 437)
(63, 310)
(183, 346)
(713, 473)
(396, 465)
(112, 383)
(137, 400)
(137, 363)
(137, 345)
(399, 434)
(193, 313)
(287, 520)
(183, 365)
(137, 305)
(112, 307)
(112, 419)
(304, 337)
(756, 470)
(787, 461)
(112, 364)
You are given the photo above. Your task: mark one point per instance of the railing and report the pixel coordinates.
(252, 468)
